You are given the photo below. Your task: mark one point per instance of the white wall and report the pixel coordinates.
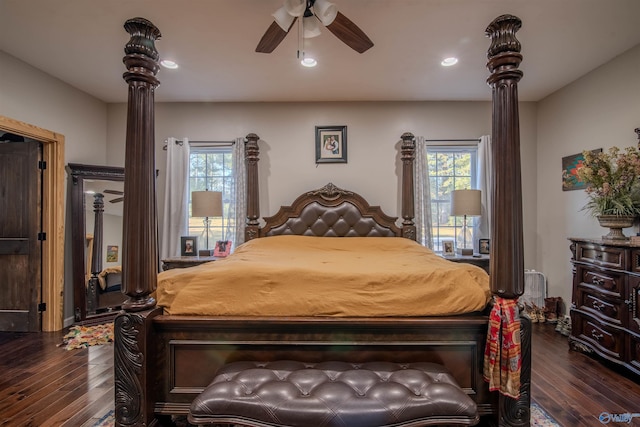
(287, 137)
(31, 96)
(599, 110)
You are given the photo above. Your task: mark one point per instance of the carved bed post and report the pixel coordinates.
(140, 231)
(408, 150)
(96, 253)
(252, 151)
(507, 260)
(135, 378)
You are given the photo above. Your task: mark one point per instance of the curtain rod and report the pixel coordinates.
(202, 143)
(453, 140)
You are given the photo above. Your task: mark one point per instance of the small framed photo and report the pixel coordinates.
(331, 144)
(447, 247)
(112, 253)
(484, 246)
(189, 245)
(223, 248)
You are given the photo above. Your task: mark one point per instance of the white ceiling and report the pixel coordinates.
(81, 42)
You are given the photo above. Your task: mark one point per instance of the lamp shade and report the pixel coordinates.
(283, 18)
(206, 203)
(325, 11)
(466, 202)
(310, 27)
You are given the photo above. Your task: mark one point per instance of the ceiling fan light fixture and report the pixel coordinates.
(167, 63)
(310, 27)
(448, 62)
(283, 18)
(295, 7)
(308, 61)
(325, 11)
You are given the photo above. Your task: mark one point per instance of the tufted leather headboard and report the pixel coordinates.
(331, 212)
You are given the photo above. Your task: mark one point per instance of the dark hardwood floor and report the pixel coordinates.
(44, 385)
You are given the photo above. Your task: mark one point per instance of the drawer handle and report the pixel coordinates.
(596, 335)
(597, 281)
(598, 256)
(598, 306)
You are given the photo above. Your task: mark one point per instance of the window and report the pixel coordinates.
(211, 168)
(450, 168)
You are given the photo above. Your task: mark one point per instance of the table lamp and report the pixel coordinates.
(206, 204)
(465, 203)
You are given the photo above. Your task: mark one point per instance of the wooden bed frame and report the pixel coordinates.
(162, 362)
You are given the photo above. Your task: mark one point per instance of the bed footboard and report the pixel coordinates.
(164, 362)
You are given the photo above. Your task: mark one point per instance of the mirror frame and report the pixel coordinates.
(78, 173)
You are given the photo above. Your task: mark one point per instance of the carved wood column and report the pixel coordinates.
(96, 253)
(140, 231)
(507, 260)
(252, 151)
(408, 152)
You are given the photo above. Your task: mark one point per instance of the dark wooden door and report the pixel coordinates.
(20, 247)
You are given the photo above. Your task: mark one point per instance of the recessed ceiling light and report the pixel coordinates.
(309, 62)
(448, 62)
(167, 63)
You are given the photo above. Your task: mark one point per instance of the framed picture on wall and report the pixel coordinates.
(112, 253)
(331, 144)
(189, 245)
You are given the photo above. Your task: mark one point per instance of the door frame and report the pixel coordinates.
(52, 218)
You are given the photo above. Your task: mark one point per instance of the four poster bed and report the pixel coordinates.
(164, 358)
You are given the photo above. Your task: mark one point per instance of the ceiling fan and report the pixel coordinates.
(116, 192)
(312, 11)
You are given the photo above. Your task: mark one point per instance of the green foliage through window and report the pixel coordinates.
(450, 168)
(211, 168)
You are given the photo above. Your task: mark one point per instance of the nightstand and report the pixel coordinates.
(481, 261)
(185, 261)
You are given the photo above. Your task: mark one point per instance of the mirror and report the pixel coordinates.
(97, 196)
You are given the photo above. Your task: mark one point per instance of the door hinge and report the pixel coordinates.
(42, 164)
(42, 235)
(42, 306)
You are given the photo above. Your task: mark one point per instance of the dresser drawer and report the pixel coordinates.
(633, 345)
(606, 340)
(606, 309)
(604, 256)
(606, 282)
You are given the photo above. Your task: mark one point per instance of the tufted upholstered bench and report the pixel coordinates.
(333, 394)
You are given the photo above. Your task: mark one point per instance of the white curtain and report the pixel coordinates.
(176, 197)
(485, 184)
(238, 202)
(422, 195)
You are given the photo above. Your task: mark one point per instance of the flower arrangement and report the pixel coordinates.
(612, 179)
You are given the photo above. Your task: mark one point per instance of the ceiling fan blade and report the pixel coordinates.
(272, 37)
(116, 200)
(113, 192)
(344, 29)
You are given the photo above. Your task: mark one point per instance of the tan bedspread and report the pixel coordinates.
(326, 276)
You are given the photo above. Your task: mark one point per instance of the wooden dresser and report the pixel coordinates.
(605, 317)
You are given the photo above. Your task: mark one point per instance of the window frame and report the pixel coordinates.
(441, 205)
